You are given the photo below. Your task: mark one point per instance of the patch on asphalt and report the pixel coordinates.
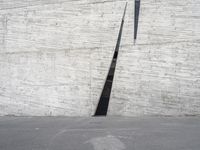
(107, 143)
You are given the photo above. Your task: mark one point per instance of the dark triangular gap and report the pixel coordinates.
(102, 107)
(136, 18)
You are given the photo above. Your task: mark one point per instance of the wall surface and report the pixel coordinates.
(160, 74)
(55, 55)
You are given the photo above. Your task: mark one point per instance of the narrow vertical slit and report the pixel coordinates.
(102, 107)
(136, 18)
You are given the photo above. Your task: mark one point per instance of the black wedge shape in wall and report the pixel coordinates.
(136, 18)
(102, 107)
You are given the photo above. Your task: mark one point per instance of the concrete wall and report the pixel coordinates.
(55, 54)
(160, 75)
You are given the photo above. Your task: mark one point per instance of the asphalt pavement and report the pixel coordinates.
(100, 133)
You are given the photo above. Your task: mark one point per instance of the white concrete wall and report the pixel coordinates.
(55, 54)
(160, 75)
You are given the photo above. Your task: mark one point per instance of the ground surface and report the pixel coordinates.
(60, 133)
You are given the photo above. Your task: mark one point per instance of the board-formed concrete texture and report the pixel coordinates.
(55, 55)
(160, 74)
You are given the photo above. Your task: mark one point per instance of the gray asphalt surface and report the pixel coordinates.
(110, 133)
